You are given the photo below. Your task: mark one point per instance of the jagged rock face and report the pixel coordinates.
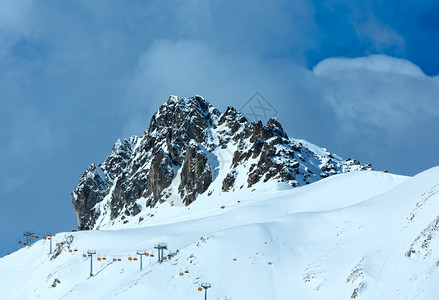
(97, 181)
(162, 149)
(196, 175)
(91, 189)
(188, 146)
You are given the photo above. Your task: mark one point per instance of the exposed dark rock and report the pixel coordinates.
(196, 175)
(181, 154)
(229, 181)
(55, 282)
(91, 190)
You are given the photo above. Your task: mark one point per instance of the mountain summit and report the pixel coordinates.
(191, 149)
(212, 200)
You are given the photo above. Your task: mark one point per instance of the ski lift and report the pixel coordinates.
(76, 250)
(49, 238)
(24, 244)
(130, 258)
(37, 237)
(151, 255)
(104, 258)
(20, 242)
(62, 243)
(181, 273)
(57, 244)
(186, 271)
(135, 258)
(89, 255)
(169, 255)
(99, 258)
(146, 253)
(200, 288)
(31, 236)
(114, 259)
(165, 257)
(70, 250)
(119, 259)
(84, 255)
(44, 238)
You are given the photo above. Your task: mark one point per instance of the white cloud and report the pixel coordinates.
(376, 63)
(380, 36)
(190, 67)
(361, 106)
(225, 51)
(379, 90)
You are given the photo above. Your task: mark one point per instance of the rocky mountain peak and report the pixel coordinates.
(191, 149)
(194, 115)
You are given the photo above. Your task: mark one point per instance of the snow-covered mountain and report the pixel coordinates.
(358, 235)
(191, 149)
(240, 206)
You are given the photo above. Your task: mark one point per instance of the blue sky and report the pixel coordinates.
(357, 77)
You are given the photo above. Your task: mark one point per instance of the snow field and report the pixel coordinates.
(343, 237)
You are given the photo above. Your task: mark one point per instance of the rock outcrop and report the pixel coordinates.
(188, 146)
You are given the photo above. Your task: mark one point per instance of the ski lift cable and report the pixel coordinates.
(215, 288)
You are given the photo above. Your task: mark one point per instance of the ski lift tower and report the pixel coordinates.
(50, 237)
(90, 254)
(141, 253)
(205, 286)
(160, 247)
(29, 236)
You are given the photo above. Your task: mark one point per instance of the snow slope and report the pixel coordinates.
(364, 235)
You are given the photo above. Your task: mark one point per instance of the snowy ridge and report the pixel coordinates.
(191, 149)
(358, 235)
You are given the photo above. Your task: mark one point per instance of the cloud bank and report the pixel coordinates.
(367, 107)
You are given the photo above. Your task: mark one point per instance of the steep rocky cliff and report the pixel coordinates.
(188, 147)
